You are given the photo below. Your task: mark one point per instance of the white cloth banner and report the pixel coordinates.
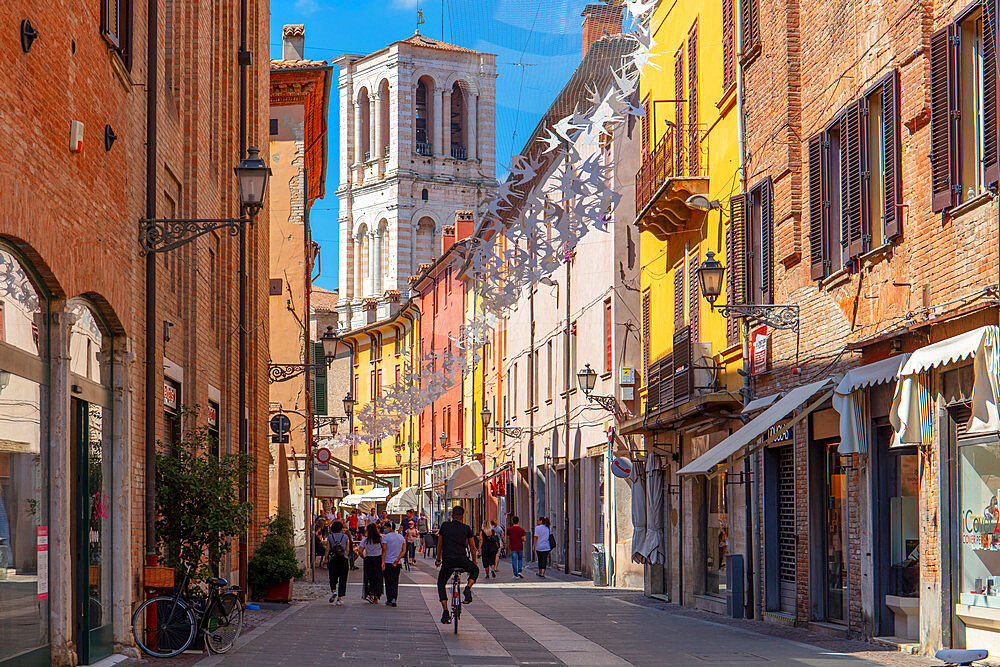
(850, 399)
(637, 480)
(653, 548)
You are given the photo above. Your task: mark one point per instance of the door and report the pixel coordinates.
(92, 534)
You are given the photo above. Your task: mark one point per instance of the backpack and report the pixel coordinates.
(338, 548)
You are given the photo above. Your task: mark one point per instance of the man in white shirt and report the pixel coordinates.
(395, 544)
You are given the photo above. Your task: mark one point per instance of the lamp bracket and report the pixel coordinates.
(607, 402)
(736, 478)
(163, 234)
(673, 489)
(285, 372)
(776, 316)
(509, 431)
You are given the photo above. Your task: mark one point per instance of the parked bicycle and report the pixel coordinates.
(166, 625)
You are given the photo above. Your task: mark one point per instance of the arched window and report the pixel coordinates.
(383, 118)
(424, 246)
(423, 112)
(423, 194)
(24, 461)
(458, 129)
(364, 131)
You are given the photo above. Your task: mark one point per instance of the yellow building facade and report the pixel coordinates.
(384, 365)
(690, 388)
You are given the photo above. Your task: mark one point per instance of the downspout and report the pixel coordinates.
(152, 88)
(751, 486)
(309, 358)
(531, 417)
(566, 447)
(243, 58)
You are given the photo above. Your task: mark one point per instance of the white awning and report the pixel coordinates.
(355, 500)
(406, 499)
(379, 494)
(852, 403)
(327, 485)
(758, 404)
(793, 400)
(911, 405)
(466, 481)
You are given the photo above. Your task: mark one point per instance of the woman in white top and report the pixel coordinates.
(373, 549)
(542, 543)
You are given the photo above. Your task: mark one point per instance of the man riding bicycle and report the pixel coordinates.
(454, 538)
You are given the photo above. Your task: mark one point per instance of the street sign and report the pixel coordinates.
(280, 423)
(322, 466)
(323, 455)
(621, 467)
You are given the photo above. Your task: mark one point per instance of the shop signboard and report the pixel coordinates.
(43, 562)
(760, 351)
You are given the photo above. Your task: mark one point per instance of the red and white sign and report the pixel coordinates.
(621, 467)
(323, 455)
(760, 351)
(43, 562)
(170, 395)
(213, 414)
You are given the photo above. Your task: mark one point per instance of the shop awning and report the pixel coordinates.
(911, 405)
(743, 438)
(762, 403)
(852, 403)
(466, 481)
(406, 499)
(327, 485)
(355, 500)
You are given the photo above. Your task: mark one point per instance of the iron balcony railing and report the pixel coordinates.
(680, 152)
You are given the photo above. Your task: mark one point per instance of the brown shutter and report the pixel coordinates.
(665, 386)
(679, 112)
(735, 263)
(645, 334)
(682, 365)
(693, 144)
(751, 24)
(850, 180)
(728, 44)
(645, 127)
(817, 257)
(891, 178)
(942, 191)
(767, 241)
(693, 294)
(865, 171)
(679, 296)
(990, 91)
(653, 389)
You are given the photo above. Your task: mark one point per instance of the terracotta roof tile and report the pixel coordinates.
(294, 64)
(422, 40)
(323, 300)
(294, 30)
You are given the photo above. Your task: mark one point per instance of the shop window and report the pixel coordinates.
(963, 107)
(717, 536)
(979, 542)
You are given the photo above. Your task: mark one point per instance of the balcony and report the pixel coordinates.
(675, 169)
(686, 376)
(424, 149)
(458, 152)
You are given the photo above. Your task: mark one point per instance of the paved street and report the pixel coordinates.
(537, 622)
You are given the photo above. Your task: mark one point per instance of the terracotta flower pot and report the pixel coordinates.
(279, 593)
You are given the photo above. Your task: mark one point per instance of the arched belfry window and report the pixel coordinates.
(458, 128)
(365, 122)
(423, 110)
(423, 194)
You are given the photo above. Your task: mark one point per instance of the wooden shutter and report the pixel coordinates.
(679, 113)
(817, 244)
(653, 389)
(111, 21)
(645, 127)
(679, 296)
(665, 386)
(767, 241)
(693, 293)
(693, 144)
(645, 334)
(751, 24)
(892, 184)
(682, 365)
(990, 91)
(942, 84)
(735, 262)
(865, 170)
(319, 381)
(728, 44)
(850, 181)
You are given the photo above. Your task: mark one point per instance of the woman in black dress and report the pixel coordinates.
(489, 545)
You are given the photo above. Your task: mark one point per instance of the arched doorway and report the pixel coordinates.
(91, 461)
(24, 461)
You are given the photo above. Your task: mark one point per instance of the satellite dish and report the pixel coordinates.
(621, 467)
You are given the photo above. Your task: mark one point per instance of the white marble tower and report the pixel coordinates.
(417, 122)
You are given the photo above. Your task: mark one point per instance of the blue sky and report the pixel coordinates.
(537, 43)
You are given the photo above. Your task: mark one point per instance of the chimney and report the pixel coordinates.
(447, 237)
(464, 225)
(600, 20)
(293, 42)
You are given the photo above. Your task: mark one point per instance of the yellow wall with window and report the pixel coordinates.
(690, 40)
(379, 350)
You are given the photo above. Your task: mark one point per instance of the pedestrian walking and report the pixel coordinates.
(543, 543)
(412, 539)
(490, 546)
(340, 548)
(395, 544)
(373, 550)
(423, 527)
(515, 544)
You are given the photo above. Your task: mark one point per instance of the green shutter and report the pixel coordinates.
(319, 381)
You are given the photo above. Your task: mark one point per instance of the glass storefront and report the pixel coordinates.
(836, 535)
(979, 522)
(24, 524)
(717, 535)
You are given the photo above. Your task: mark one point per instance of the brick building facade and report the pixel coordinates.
(73, 326)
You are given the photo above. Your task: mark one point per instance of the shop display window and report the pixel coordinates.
(979, 523)
(717, 536)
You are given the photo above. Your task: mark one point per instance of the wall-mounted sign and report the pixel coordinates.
(280, 425)
(213, 415)
(760, 351)
(785, 437)
(170, 392)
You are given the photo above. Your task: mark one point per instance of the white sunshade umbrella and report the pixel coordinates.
(402, 501)
(466, 481)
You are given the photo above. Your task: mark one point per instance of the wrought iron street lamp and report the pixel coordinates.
(776, 316)
(486, 416)
(349, 404)
(332, 348)
(587, 378)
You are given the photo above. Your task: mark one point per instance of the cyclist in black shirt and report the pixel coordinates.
(455, 544)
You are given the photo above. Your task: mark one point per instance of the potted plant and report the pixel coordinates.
(273, 565)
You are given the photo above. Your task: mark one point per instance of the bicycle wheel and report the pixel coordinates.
(456, 604)
(163, 626)
(224, 623)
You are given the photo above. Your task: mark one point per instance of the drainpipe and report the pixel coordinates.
(750, 486)
(152, 88)
(531, 418)
(309, 358)
(243, 58)
(569, 379)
